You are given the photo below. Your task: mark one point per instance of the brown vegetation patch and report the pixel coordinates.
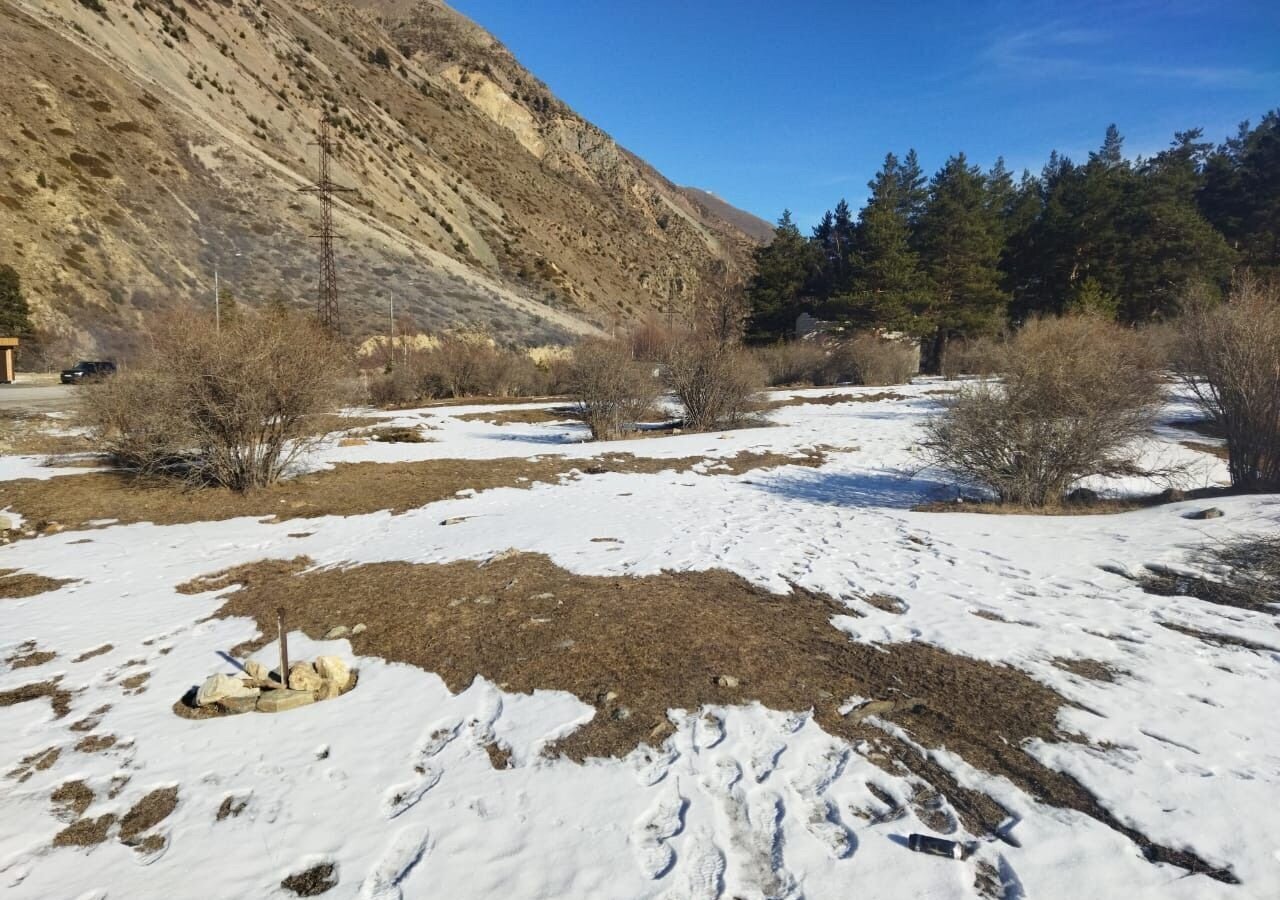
(28, 656)
(96, 651)
(312, 882)
(148, 812)
(31, 434)
(96, 743)
(327, 423)
(832, 400)
(85, 832)
(346, 490)
(523, 416)
(59, 698)
(90, 722)
(70, 799)
(231, 808)
(1092, 669)
(18, 585)
(1218, 450)
(886, 603)
(36, 762)
(1218, 639)
(637, 647)
(136, 684)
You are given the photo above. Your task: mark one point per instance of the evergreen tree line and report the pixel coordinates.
(968, 251)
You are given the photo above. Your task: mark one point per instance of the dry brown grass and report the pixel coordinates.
(24, 433)
(522, 416)
(59, 698)
(833, 400)
(636, 647)
(17, 585)
(147, 813)
(346, 490)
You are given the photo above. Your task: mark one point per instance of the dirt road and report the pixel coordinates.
(36, 397)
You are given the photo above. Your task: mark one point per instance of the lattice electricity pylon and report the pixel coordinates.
(324, 188)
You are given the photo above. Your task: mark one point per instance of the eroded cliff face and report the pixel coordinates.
(151, 143)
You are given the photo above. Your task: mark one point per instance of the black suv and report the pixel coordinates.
(87, 370)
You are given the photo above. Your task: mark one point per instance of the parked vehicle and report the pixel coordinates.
(88, 370)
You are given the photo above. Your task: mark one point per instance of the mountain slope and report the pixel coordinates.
(147, 144)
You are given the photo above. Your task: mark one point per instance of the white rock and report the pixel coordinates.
(257, 670)
(337, 631)
(302, 677)
(220, 687)
(331, 668)
(358, 628)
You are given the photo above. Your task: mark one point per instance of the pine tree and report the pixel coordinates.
(960, 248)
(15, 314)
(913, 188)
(887, 288)
(1241, 192)
(784, 268)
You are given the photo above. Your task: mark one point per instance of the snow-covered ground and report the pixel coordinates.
(1185, 747)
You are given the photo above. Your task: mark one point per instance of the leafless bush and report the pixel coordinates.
(981, 355)
(612, 390)
(715, 382)
(229, 408)
(650, 339)
(879, 361)
(1242, 572)
(395, 388)
(1077, 393)
(792, 362)
(1229, 358)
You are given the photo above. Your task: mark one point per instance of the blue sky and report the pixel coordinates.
(794, 104)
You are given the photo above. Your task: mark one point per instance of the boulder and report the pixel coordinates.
(358, 628)
(727, 681)
(303, 677)
(337, 631)
(279, 701)
(236, 705)
(221, 687)
(6, 523)
(257, 671)
(1211, 513)
(328, 690)
(331, 668)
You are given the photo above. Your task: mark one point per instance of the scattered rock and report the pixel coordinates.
(220, 687)
(236, 705)
(359, 628)
(331, 668)
(1212, 512)
(313, 882)
(257, 671)
(328, 690)
(455, 520)
(621, 714)
(337, 631)
(282, 700)
(304, 677)
(662, 731)
(727, 681)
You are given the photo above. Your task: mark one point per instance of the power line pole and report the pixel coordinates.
(324, 188)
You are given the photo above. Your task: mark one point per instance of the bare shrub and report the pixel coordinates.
(650, 339)
(1242, 571)
(611, 388)
(981, 355)
(1229, 359)
(229, 408)
(395, 388)
(1077, 393)
(715, 382)
(791, 362)
(877, 360)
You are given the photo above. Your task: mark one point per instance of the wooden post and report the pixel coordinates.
(284, 648)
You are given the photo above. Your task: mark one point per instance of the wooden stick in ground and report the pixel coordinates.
(284, 648)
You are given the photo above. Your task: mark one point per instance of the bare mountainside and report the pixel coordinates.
(146, 144)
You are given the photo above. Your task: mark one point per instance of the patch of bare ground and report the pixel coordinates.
(1218, 639)
(522, 416)
(26, 656)
(147, 813)
(36, 762)
(312, 882)
(231, 808)
(59, 698)
(637, 647)
(96, 743)
(885, 603)
(1092, 669)
(1093, 507)
(136, 684)
(331, 422)
(1218, 450)
(96, 651)
(346, 490)
(16, 585)
(91, 721)
(832, 400)
(85, 832)
(33, 434)
(70, 799)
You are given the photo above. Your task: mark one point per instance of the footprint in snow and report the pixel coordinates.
(708, 731)
(400, 799)
(651, 765)
(403, 853)
(652, 832)
(701, 875)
